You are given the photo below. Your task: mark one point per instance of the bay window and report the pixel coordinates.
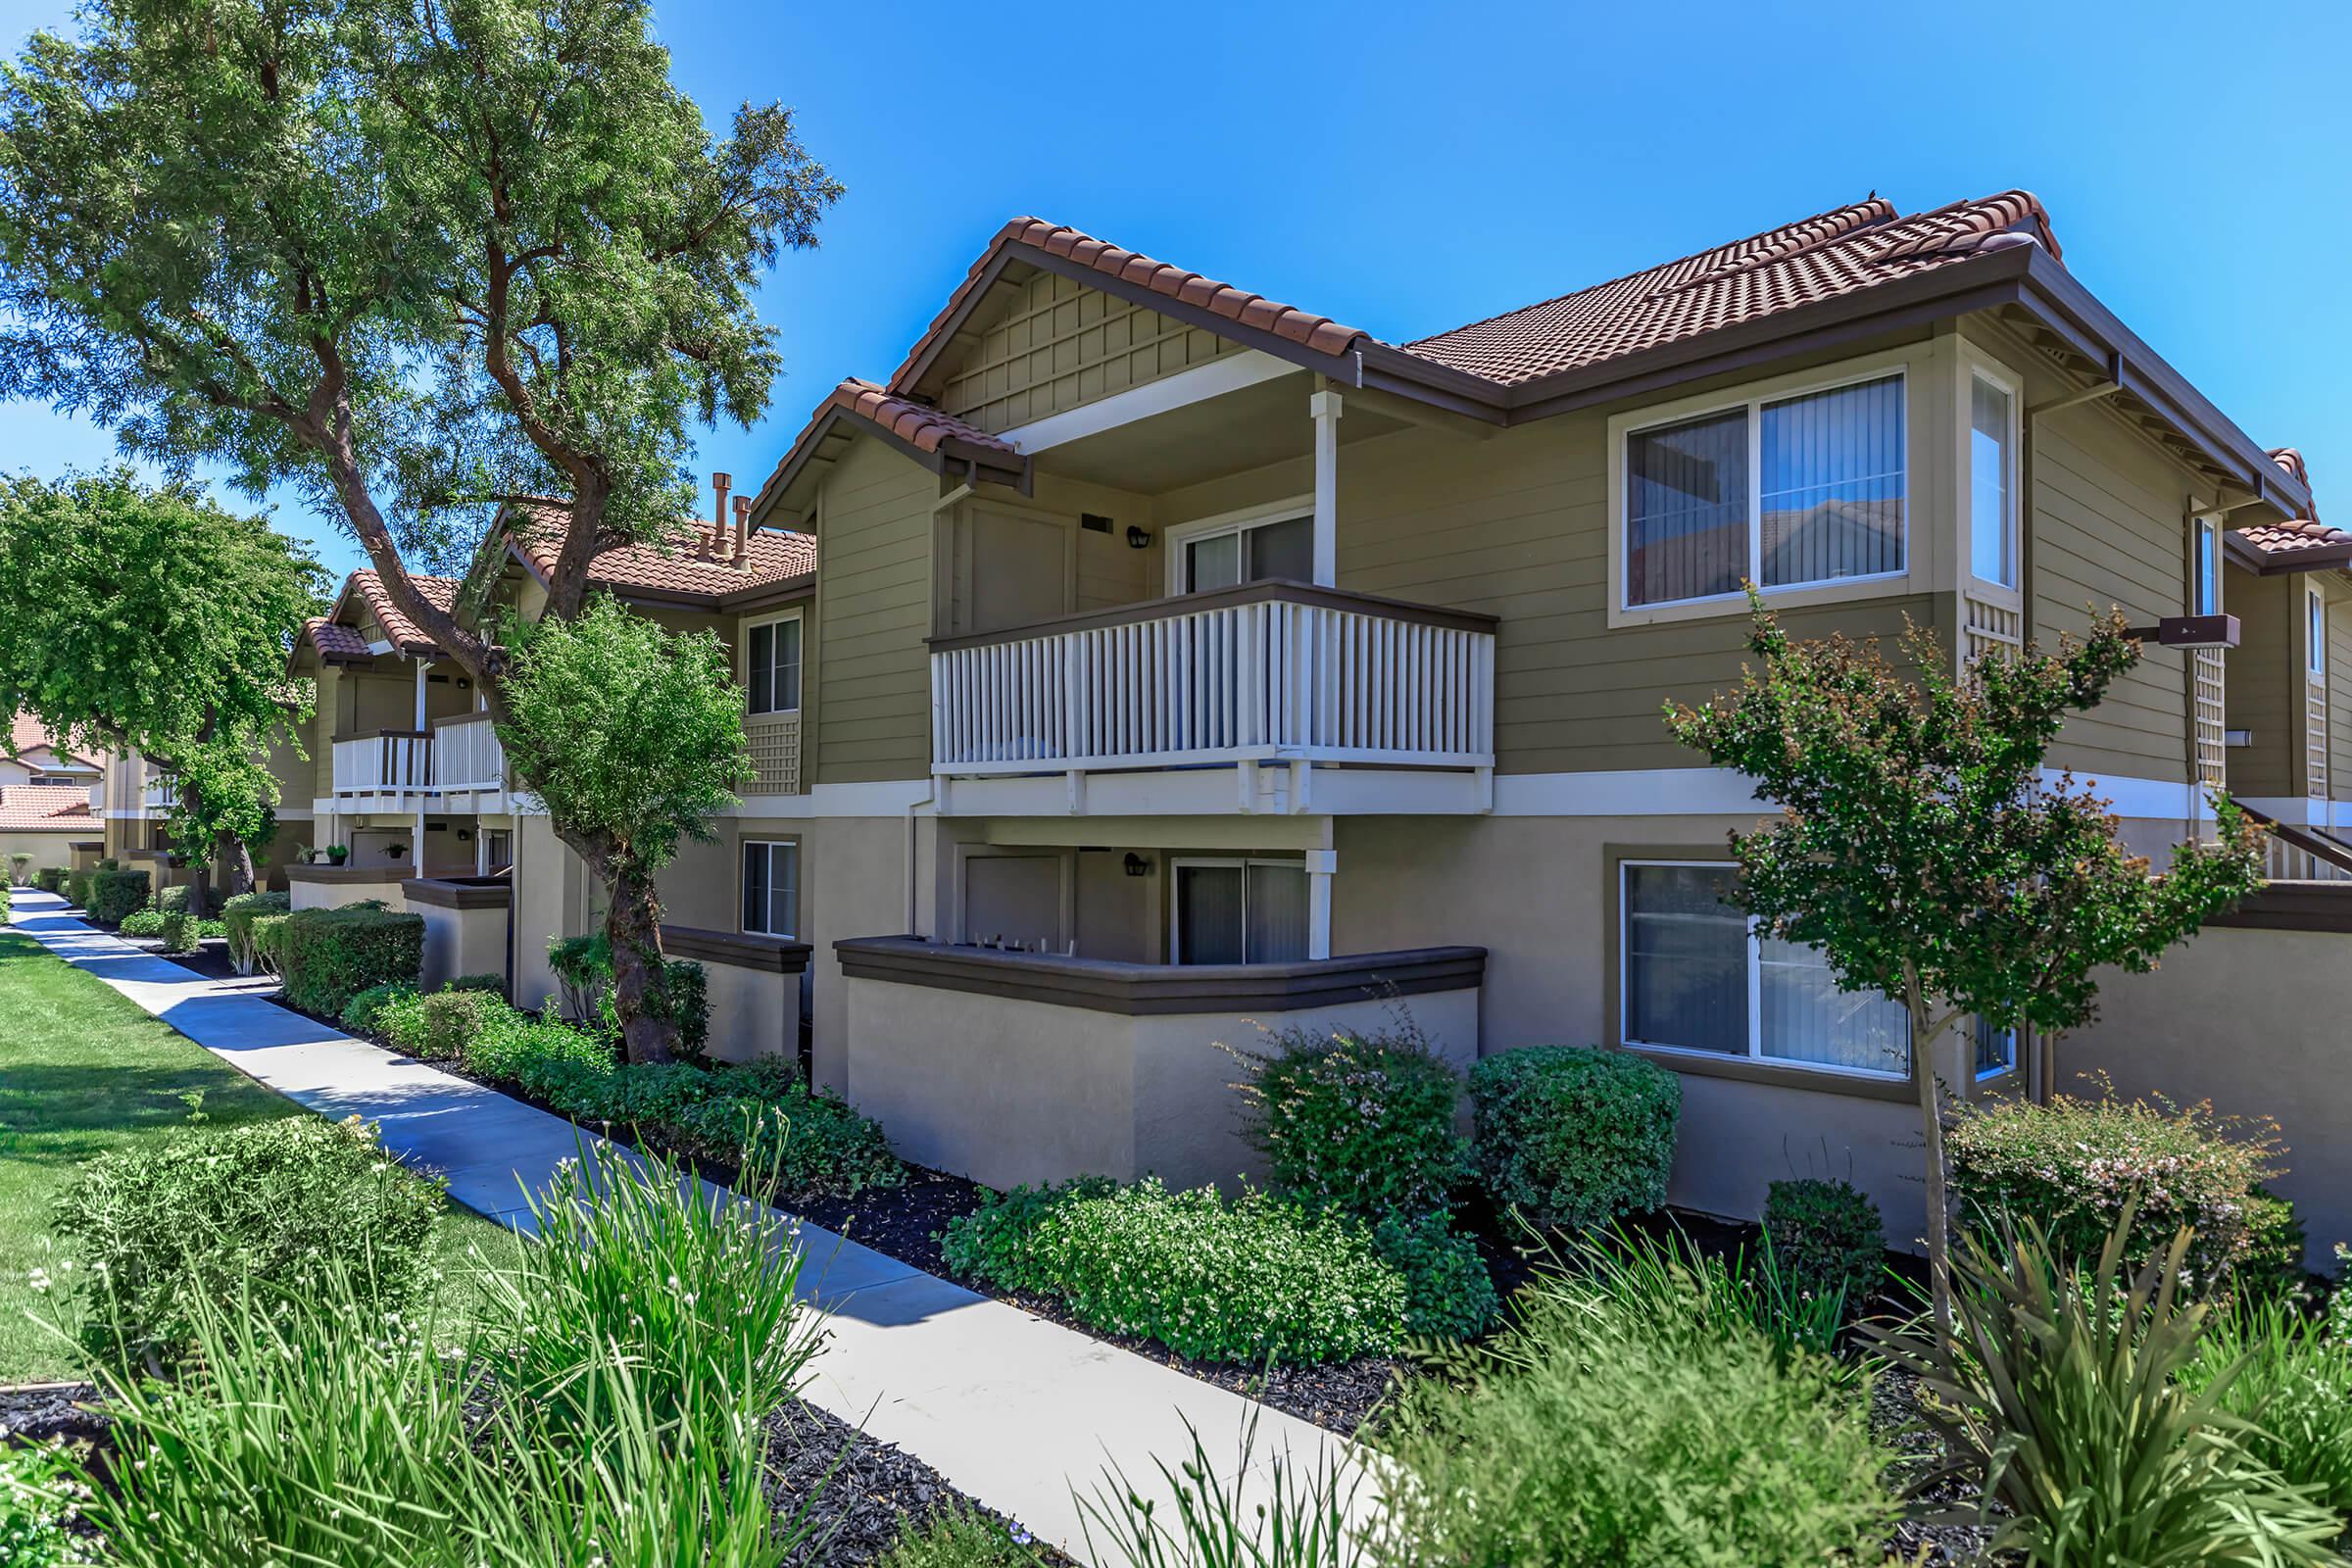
(1788, 491)
(1991, 483)
(1698, 975)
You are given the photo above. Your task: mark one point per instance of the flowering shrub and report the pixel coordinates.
(39, 1500)
(1359, 1122)
(1210, 1279)
(2072, 1164)
(273, 1207)
(1574, 1137)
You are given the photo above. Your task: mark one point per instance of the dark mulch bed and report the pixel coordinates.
(871, 1490)
(1894, 1416)
(44, 1412)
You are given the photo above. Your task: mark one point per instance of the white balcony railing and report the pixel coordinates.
(162, 793)
(456, 756)
(1267, 671)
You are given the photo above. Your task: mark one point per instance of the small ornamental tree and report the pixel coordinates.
(1922, 849)
(135, 617)
(415, 260)
(632, 737)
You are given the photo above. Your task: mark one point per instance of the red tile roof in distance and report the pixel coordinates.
(402, 633)
(44, 808)
(676, 567)
(334, 641)
(1820, 257)
(1237, 305)
(25, 734)
(2299, 535)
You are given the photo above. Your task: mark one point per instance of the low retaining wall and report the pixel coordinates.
(464, 926)
(1015, 1068)
(330, 887)
(755, 987)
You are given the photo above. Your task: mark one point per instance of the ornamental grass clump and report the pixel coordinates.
(1214, 1281)
(275, 1206)
(2289, 1378)
(2073, 1401)
(1627, 1414)
(2074, 1167)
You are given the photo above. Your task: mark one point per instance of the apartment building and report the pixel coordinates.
(1182, 662)
(50, 798)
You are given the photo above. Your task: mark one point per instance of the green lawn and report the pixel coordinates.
(83, 1072)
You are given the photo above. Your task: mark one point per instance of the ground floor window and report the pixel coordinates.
(498, 848)
(1240, 912)
(1997, 1049)
(1698, 975)
(772, 887)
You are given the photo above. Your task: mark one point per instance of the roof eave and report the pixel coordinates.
(972, 462)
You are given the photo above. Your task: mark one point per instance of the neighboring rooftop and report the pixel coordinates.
(699, 565)
(2301, 544)
(27, 733)
(44, 808)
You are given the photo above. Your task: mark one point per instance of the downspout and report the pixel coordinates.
(913, 874)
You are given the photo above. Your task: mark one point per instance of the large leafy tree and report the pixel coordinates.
(149, 618)
(1923, 848)
(415, 258)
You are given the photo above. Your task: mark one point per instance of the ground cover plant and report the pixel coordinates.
(1215, 1281)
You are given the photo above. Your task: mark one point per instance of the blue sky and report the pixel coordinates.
(1405, 169)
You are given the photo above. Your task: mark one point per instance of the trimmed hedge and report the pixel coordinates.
(1574, 1137)
(237, 917)
(114, 894)
(364, 1015)
(1209, 1280)
(327, 957)
(174, 899)
(141, 924)
(50, 879)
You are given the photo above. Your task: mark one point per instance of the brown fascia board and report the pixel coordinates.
(975, 464)
(2287, 562)
(758, 596)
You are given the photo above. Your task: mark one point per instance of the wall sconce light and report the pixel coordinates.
(1135, 864)
(1138, 538)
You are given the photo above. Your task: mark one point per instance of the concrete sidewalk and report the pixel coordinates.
(1014, 1409)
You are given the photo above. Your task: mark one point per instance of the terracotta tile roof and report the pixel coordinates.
(770, 556)
(334, 641)
(1237, 305)
(1819, 258)
(2299, 536)
(923, 427)
(44, 808)
(402, 633)
(27, 733)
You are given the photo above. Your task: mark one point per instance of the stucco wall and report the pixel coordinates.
(460, 942)
(46, 848)
(2253, 1021)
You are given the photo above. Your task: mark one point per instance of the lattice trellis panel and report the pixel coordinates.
(2210, 717)
(1989, 625)
(775, 745)
(2315, 737)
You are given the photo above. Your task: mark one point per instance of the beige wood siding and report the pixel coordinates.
(2339, 686)
(1049, 344)
(2264, 684)
(873, 709)
(2108, 526)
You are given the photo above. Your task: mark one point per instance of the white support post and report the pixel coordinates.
(422, 664)
(1320, 864)
(1325, 407)
(416, 845)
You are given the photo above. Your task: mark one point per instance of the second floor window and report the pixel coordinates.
(2315, 634)
(2206, 591)
(772, 656)
(1786, 492)
(1250, 553)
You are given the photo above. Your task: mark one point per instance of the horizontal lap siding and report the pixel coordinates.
(2339, 688)
(2261, 683)
(873, 715)
(2108, 530)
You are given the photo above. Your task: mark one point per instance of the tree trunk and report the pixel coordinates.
(1939, 1201)
(239, 857)
(640, 978)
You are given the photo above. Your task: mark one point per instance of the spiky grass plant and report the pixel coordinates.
(1308, 1512)
(2067, 1400)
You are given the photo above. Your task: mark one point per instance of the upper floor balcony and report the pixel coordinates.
(1228, 700)
(457, 764)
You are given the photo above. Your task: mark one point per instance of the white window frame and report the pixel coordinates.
(2007, 1066)
(2205, 540)
(1973, 368)
(1751, 401)
(801, 681)
(1177, 535)
(1176, 869)
(1755, 994)
(742, 850)
(2315, 632)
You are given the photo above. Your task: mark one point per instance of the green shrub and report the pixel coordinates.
(269, 941)
(1609, 1423)
(362, 1014)
(960, 1536)
(584, 968)
(175, 898)
(2274, 1245)
(1359, 1122)
(1574, 1137)
(688, 990)
(181, 931)
(449, 1022)
(77, 888)
(50, 878)
(802, 1142)
(496, 983)
(2073, 1166)
(1448, 1292)
(141, 924)
(2292, 1384)
(114, 894)
(1210, 1279)
(330, 956)
(645, 1095)
(518, 1046)
(273, 1207)
(1827, 1236)
(2065, 1399)
(40, 1501)
(237, 917)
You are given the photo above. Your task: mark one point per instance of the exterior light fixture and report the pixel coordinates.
(1138, 538)
(2188, 632)
(1135, 864)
